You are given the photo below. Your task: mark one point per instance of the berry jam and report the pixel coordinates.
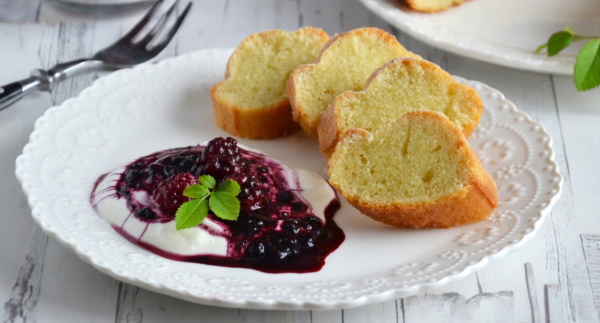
(277, 230)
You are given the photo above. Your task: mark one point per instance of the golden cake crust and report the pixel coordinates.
(265, 122)
(473, 203)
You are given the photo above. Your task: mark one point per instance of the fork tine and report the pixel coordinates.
(142, 23)
(160, 46)
(158, 26)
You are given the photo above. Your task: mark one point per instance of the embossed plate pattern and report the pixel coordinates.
(134, 112)
(504, 32)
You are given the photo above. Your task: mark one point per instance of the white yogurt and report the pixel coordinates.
(315, 191)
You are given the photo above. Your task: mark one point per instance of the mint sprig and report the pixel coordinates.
(587, 65)
(221, 201)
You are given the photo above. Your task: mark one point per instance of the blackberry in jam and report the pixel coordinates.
(222, 157)
(168, 194)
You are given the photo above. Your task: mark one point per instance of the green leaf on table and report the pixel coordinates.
(224, 205)
(559, 41)
(587, 66)
(195, 191)
(230, 186)
(191, 213)
(208, 181)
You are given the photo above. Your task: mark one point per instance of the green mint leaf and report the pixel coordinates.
(224, 205)
(195, 191)
(208, 181)
(191, 213)
(587, 66)
(559, 41)
(230, 186)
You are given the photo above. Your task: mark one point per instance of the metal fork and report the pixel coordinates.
(133, 48)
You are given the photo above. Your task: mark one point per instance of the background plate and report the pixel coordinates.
(504, 32)
(134, 112)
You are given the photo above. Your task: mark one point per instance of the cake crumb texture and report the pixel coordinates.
(400, 86)
(252, 101)
(344, 64)
(415, 172)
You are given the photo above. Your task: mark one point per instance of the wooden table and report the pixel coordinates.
(554, 277)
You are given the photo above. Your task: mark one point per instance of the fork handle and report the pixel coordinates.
(42, 80)
(12, 92)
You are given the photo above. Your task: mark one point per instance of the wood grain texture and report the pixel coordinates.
(591, 246)
(531, 291)
(22, 242)
(553, 304)
(25, 293)
(579, 118)
(382, 312)
(453, 307)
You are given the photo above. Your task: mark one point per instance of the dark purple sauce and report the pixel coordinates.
(276, 231)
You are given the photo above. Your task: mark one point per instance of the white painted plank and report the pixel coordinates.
(532, 293)
(492, 307)
(254, 316)
(338, 16)
(448, 307)
(139, 305)
(453, 307)
(204, 28)
(72, 290)
(354, 15)
(515, 274)
(591, 245)
(22, 243)
(49, 12)
(286, 15)
(385, 312)
(322, 14)
(554, 303)
(579, 119)
(334, 316)
(21, 305)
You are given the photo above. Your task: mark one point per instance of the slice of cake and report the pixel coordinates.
(415, 172)
(344, 64)
(432, 5)
(402, 85)
(252, 102)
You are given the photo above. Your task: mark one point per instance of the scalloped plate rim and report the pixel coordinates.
(388, 294)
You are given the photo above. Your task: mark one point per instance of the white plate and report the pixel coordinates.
(134, 112)
(504, 32)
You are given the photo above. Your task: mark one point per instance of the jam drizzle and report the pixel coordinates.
(276, 231)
